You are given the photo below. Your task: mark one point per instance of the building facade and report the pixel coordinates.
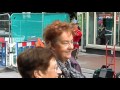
(92, 24)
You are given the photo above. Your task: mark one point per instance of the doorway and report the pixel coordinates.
(105, 25)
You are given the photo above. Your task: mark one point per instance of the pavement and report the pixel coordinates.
(95, 61)
(91, 62)
(88, 62)
(9, 73)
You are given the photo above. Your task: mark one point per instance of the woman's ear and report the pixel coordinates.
(53, 48)
(48, 45)
(38, 74)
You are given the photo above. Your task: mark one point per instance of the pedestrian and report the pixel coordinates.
(101, 35)
(80, 37)
(76, 39)
(58, 36)
(38, 62)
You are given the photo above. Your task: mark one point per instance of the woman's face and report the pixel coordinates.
(53, 70)
(64, 46)
(76, 27)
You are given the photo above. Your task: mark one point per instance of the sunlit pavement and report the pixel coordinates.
(11, 74)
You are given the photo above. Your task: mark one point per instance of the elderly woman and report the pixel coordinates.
(58, 36)
(38, 63)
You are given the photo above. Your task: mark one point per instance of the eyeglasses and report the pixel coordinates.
(56, 68)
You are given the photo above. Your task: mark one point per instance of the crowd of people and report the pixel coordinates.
(56, 58)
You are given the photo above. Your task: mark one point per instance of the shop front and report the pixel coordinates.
(98, 29)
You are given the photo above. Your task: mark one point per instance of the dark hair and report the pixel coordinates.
(104, 22)
(79, 28)
(54, 30)
(34, 59)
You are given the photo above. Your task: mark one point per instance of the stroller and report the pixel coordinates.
(105, 71)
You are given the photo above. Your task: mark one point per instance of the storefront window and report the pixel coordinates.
(105, 23)
(91, 28)
(118, 29)
(84, 30)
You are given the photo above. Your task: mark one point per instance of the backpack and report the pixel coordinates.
(103, 72)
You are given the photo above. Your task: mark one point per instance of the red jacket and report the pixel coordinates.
(2, 40)
(76, 38)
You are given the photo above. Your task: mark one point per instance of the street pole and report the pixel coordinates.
(42, 21)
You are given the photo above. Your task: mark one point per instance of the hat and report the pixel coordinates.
(75, 21)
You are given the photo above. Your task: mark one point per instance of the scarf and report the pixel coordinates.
(68, 71)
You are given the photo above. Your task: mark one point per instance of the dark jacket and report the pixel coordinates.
(75, 65)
